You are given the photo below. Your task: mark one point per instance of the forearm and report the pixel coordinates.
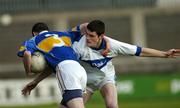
(42, 75)
(83, 28)
(27, 62)
(148, 52)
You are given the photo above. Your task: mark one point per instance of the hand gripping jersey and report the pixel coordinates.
(56, 46)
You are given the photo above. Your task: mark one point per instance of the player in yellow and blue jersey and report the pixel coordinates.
(56, 48)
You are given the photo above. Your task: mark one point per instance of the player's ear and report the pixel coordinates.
(34, 34)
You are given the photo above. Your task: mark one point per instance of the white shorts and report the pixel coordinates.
(71, 75)
(97, 86)
(96, 78)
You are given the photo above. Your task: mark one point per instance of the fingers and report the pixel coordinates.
(107, 49)
(105, 52)
(176, 55)
(26, 90)
(173, 53)
(29, 92)
(176, 51)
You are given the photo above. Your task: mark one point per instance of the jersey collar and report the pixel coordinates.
(43, 32)
(102, 46)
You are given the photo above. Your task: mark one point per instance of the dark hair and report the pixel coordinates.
(38, 27)
(96, 26)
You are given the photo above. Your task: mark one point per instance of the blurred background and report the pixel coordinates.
(141, 82)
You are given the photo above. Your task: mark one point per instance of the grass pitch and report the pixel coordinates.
(97, 102)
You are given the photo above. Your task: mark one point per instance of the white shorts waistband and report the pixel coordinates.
(67, 62)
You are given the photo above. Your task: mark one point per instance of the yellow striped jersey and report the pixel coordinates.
(56, 46)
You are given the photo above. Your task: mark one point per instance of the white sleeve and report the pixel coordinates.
(117, 47)
(76, 49)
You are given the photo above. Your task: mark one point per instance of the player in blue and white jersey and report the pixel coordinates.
(89, 48)
(56, 48)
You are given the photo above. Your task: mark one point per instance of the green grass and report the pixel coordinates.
(97, 102)
(137, 104)
(38, 106)
(152, 104)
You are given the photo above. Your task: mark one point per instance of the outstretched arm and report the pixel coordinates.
(148, 52)
(30, 86)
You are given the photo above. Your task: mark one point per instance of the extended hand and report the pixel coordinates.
(27, 89)
(107, 50)
(172, 53)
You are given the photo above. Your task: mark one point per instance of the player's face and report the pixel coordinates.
(92, 39)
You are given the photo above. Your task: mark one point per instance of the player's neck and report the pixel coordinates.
(99, 43)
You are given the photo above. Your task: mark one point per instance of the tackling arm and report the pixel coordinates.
(43, 75)
(30, 86)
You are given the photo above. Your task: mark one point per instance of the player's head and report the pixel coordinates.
(95, 33)
(39, 27)
(96, 26)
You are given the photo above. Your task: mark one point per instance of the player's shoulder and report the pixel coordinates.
(81, 41)
(75, 29)
(61, 33)
(116, 43)
(28, 41)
